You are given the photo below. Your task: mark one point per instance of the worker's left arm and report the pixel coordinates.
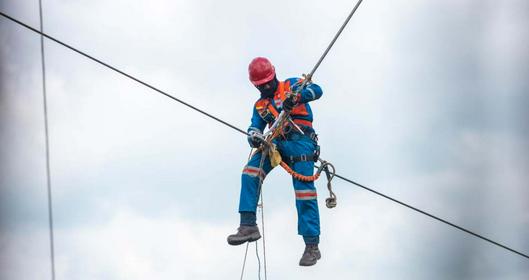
(309, 93)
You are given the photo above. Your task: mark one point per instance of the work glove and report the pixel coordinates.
(290, 102)
(297, 86)
(254, 139)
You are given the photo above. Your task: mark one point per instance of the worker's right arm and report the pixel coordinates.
(257, 126)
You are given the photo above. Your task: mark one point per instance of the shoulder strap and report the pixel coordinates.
(266, 110)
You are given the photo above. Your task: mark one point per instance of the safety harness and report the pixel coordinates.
(283, 126)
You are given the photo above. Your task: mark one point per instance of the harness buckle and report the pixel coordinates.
(317, 153)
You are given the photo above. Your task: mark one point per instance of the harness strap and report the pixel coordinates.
(289, 132)
(293, 159)
(272, 110)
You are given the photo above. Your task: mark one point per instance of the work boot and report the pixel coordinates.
(244, 234)
(310, 256)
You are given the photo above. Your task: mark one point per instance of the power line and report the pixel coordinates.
(122, 73)
(433, 216)
(46, 132)
(243, 132)
(335, 38)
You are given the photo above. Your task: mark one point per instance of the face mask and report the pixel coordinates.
(268, 89)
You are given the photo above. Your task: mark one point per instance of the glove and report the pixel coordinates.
(297, 86)
(254, 139)
(290, 103)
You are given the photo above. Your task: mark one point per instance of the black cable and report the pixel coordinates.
(240, 130)
(433, 216)
(123, 73)
(47, 144)
(334, 39)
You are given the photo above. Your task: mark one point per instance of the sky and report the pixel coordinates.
(425, 101)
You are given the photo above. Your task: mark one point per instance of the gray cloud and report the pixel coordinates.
(424, 101)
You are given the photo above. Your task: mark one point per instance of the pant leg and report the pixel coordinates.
(250, 182)
(306, 195)
(306, 201)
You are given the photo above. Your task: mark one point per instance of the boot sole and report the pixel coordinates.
(251, 238)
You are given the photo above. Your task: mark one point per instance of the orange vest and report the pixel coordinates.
(268, 108)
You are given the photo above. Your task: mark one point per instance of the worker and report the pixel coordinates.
(298, 150)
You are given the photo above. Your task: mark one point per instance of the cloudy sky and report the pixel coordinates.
(426, 101)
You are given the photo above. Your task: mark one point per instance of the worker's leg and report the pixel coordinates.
(307, 204)
(249, 187)
(306, 197)
(251, 174)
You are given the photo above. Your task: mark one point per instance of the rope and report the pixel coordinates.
(258, 261)
(301, 177)
(260, 205)
(243, 132)
(260, 196)
(330, 202)
(244, 261)
(47, 145)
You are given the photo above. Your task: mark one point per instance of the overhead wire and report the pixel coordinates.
(433, 216)
(243, 132)
(334, 39)
(47, 145)
(115, 69)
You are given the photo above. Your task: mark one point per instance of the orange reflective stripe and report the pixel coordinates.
(306, 194)
(300, 110)
(302, 122)
(261, 106)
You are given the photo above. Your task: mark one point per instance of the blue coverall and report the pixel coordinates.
(295, 144)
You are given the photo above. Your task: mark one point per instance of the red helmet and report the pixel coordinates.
(261, 71)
